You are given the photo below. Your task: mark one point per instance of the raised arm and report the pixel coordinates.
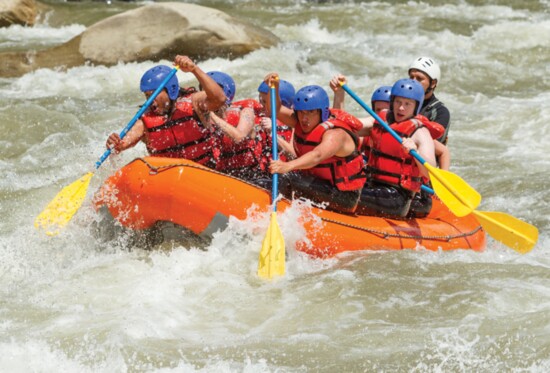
(339, 94)
(215, 96)
(284, 114)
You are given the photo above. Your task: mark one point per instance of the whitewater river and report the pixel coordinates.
(74, 304)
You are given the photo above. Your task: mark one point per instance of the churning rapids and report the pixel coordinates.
(73, 303)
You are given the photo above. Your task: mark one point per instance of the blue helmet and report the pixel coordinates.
(286, 92)
(313, 97)
(382, 93)
(226, 82)
(409, 88)
(153, 78)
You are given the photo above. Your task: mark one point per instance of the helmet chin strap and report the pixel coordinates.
(430, 89)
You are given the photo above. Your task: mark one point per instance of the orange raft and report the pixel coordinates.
(152, 190)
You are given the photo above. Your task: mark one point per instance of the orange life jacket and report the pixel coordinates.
(180, 136)
(346, 173)
(388, 161)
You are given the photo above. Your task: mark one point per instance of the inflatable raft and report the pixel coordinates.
(194, 198)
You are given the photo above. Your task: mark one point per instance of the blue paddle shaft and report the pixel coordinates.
(138, 115)
(427, 189)
(275, 149)
(414, 153)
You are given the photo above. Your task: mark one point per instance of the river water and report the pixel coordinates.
(72, 303)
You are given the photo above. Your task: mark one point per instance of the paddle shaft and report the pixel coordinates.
(275, 149)
(138, 115)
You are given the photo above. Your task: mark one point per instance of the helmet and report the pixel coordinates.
(428, 66)
(263, 88)
(286, 92)
(312, 97)
(226, 82)
(153, 78)
(381, 94)
(408, 88)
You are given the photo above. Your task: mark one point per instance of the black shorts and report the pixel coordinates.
(296, 185)
(378, 199)
(421, 205)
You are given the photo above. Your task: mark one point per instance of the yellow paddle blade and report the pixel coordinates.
(272, 257)
(62, 208)
(453, 191)
(512, 232)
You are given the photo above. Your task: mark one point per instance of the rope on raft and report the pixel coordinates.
(155, 170)
(447, 238)
(406, 236)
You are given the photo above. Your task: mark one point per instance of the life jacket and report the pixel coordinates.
(282, 130)
(180, 136)
(430, 112)
(346, 173)
(436, 130)
(388, 162)
(364, 143)
(250, 103)
(263, 137)
(232, 157)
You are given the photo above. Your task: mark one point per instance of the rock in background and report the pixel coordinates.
(152, 32)
(17, 12)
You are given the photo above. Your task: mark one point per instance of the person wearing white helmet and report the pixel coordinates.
(427, 72)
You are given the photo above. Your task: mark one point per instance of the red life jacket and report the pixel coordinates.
(436, 129)
(282, 130)
(231, 156)
(259, 112)
(180, 136)
(346, 173)
(388, 161)
(262, 145)
(250, 103)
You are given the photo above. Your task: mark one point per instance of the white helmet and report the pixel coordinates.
(427, 65)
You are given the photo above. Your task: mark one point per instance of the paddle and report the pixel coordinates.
(272, 256)
(512, 232)
(66, 203)
(455, 193)
(462, 198)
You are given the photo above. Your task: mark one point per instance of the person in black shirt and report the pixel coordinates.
(426, 71)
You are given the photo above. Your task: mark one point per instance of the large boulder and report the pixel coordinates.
(152, 32)
(17, 12)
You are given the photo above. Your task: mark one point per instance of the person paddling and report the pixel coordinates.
(286, 94)
(394, 175)
(284, 132)
(329, 168)
(174, 126)
(239, 152)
